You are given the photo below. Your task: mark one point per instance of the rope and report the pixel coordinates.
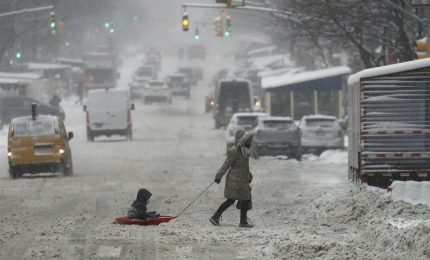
(194, 200)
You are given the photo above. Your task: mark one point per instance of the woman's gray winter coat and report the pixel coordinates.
(237, 168)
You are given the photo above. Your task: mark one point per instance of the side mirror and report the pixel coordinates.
(85, 108)
(70, 135)
(133, 107)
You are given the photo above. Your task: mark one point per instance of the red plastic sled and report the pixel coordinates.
(148, 221)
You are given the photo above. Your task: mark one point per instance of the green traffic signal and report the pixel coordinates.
(107, 24)
(112, 30)
(18, 55)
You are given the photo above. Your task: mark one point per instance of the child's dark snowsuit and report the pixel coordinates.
(138, 209)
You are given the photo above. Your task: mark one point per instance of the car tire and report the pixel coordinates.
(129, 133)
(67, 167)
(14, 174)
(255, 154)
(298, 154)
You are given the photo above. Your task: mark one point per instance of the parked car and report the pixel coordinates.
(320, 133)
(38, 144)
(12, 107)
(277, 136)
(245, 121)
(157, 91)
(108, 113)
(179, 85)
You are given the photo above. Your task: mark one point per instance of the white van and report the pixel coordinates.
(108, 113)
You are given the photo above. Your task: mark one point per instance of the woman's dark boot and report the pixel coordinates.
(244, 219)
(216, 217)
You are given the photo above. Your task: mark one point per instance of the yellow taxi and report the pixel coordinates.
(39, 144)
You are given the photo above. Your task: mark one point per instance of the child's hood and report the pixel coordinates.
(143, 195)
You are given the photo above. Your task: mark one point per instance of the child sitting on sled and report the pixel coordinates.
(138, 209)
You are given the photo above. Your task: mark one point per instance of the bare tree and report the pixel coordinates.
(372, 28)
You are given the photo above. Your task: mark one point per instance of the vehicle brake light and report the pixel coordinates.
(60, 148)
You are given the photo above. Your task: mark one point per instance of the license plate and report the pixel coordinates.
(43, 149)
(99, 125)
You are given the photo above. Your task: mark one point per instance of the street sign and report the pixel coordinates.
(420, 2)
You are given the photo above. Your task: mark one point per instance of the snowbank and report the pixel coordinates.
(330, 157)
(411, 191)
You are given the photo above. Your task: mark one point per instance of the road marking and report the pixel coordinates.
(108, 251)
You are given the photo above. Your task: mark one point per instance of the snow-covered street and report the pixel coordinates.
(302, 210)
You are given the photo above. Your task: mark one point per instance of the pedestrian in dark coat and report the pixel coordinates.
(138, 209)
(238, 179)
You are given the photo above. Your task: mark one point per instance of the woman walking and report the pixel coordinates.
(238, 179)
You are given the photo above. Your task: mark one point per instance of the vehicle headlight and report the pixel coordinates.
(61, 151)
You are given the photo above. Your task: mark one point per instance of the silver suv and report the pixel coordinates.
(244, 121)
(277, 136)
(321, 133)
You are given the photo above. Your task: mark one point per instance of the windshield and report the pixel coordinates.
(279, 125)
(34, 128)
(247, 121)
(321, 122)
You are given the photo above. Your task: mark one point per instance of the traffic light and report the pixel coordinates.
(422, 48)
(107, 25)
(228, 29)
(18, 55)
(53, 22)
(197, 35)
(185, 23)
(219, 27)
